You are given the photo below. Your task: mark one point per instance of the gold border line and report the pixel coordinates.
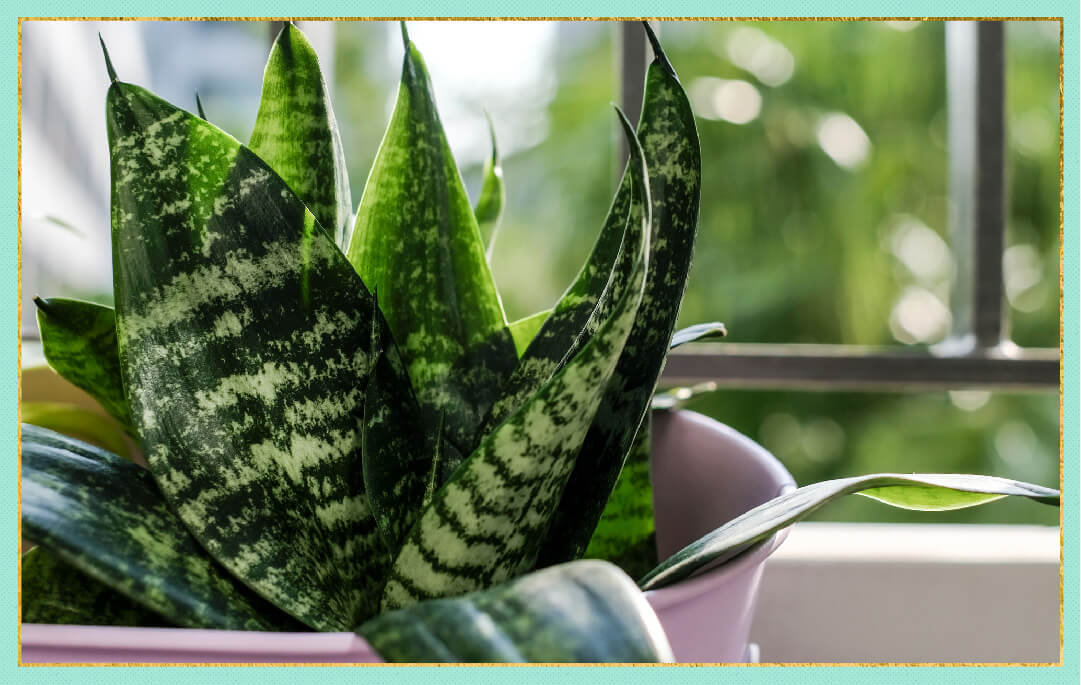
(1061, 22)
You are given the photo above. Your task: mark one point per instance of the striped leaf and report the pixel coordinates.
(524, 330)
(58, 593)
(927, 492)
(493, 196)
(696, 333)
(588, 611)
(400, 454)
(296, 133)
(103, 515)
(79, 340)
(626, 534)
(670, 142)
(416, 241)
(486, 524)
(243, 332)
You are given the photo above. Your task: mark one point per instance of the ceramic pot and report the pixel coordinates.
(704, 474)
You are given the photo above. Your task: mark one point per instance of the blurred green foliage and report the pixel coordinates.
(823, 220)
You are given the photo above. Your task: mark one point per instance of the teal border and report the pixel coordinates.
(1068, 673)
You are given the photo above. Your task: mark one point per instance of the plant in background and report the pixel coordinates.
(342, 430)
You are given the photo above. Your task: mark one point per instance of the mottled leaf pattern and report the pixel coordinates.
(103, 515)
(702, 331)
(296, 133)
(79, 340)
(927, 492)
(400, 454)
(524, 330)
(670, 143)
(493, 195)
(244, 334)
(587, 611)
(485, 525)
(626, 533)
(55, 592)
(416, 241)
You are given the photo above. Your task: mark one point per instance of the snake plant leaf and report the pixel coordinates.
(626, 534)
(587, 611)
(493, 195)
(416, 241)
(927, 492)
(485, 524)
(243, 332)
(199, 108)
(400, 454)
(296, 133)
(58, 593)
(79, 341)
(670, 143)
(78, 422)
(524, 330)
(103, 515)
(702, 331)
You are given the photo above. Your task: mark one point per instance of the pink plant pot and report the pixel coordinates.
(704, 474)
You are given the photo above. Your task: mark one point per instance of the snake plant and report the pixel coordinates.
(342, 430)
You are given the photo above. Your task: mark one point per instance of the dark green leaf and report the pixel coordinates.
(588, 611)
(493, 195)
(416, 241)
(55, 592)
(103, 515)
(79, 340)
(80, 423)
(524, 330)
(296, 134)
(702, 331)
(244, 333)
(928, 492)
(670, 143)
(486, 524)
(625, 534)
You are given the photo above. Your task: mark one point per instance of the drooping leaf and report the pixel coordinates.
(58, 593)
(296, 133)
(79, 340)
(80, 423)
(928, 492)
(587, 611)
(524, 330)
(400, 453)
(702, 331)
(485, 524)
(103, 515)
(416, 241)
(670, 143)
(626, 535)
(493, 195)
(244, 336)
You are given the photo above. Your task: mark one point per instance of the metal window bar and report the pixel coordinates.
(978, 353)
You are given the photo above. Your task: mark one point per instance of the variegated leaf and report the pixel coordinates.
(670, 143)
(296, 133)
(103, 515)
(243, 334)
(626, 534)
(58, 593)
(587, 611)
(416, 241)
(486, 524)
(493, 195)
(79, 340)
(927, 492)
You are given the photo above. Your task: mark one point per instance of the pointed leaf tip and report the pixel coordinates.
(199, 107)
(405, 34)
(491, 135)
(108, 62)
(658, 51)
